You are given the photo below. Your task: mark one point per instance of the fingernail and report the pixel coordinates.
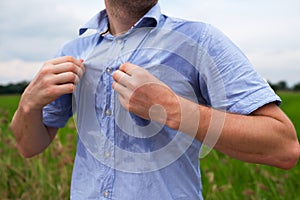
(81, 60)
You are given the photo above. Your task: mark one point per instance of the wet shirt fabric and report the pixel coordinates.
(123, 157)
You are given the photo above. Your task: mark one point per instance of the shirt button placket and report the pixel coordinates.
(109, 72)
(108, 153)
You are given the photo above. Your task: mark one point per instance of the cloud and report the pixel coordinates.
(32, 31)
(278, 66)
(33, 26)
(268, 32)
(17, 70)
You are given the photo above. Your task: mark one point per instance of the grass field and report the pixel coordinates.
(48, 175)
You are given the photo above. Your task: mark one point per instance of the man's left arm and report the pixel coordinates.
(266, 136)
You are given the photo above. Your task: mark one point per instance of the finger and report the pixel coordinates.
(68, 67)
(65, 88)
(121, 90)
(121, 77)
(122, 93)
(65, 78)
(128, 68)
(65, 59)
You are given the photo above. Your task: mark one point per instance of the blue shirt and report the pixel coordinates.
(123, 157)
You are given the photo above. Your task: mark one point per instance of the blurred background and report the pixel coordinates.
(267, 31)
(32, 31)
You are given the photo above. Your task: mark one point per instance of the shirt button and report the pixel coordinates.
(108, 112)
(108, 70)
(119, 41)
(106, 194)
(107, 154)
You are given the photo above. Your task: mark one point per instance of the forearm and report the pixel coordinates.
(264, 137)
(31, 135)
(258, 139)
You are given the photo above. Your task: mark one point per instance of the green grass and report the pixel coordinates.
(291, 106)
(48, 175)
(226, 178)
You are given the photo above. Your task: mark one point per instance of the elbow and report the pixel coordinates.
(290, 158)
(290, 152)
(295, 154)
(25, 154)
(286, 165)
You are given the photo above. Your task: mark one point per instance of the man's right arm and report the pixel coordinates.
(57, 77)
(31, 134)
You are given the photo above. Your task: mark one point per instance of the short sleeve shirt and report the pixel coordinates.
(122, 156)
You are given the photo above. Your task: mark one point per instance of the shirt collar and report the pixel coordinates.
(100, 21)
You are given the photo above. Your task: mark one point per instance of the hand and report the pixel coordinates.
(144, 95)
(57, 77)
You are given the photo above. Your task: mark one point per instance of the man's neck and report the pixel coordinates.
(120, 24)
(123, 17)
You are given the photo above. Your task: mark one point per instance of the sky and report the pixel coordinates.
(267, 31)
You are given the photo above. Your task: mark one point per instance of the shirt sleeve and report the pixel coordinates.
(57, 113)
(229, 80)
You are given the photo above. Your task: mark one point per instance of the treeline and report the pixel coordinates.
(282, 85)
(13, 88)
(18, 88)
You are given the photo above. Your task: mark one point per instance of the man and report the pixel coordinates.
(184, 80)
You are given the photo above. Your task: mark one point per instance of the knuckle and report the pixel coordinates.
(73, 77)
(69, 58)
(50, 91)
(46, 63)
(45, 81)
(46, 69)
(70, 77)
(74, 69)
(123, 66)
